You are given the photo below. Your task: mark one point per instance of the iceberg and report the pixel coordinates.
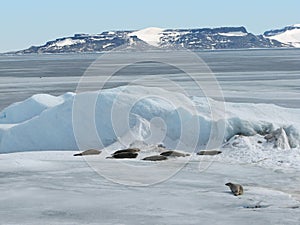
(45, 122)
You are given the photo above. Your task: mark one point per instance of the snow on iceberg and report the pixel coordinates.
(45, 122)
(31, 107)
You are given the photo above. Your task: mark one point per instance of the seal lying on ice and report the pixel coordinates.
(209, 152)
(236, 189)
(128, 150)
(88, 152)
(174, 154)
(155, 158)
(128, 153)
(125, 155)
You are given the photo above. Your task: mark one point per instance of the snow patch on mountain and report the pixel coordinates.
(289, 35)
(233, 34)
(150, 35)
(67, 42)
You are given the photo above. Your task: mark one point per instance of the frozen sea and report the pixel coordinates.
(259, 76)
(53, 187)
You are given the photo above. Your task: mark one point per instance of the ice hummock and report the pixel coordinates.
(44, 122)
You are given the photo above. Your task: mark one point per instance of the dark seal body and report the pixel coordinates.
(128, 150)
(236, 189)
(209, 152)
(155, 158)
(174, 154)
(125, 155)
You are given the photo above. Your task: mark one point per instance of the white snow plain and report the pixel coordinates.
(57, 188)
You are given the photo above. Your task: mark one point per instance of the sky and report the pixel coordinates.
(24, 23)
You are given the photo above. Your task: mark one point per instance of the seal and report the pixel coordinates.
(88, 152)
(125, 155)
(161, 146)
(155, 158)
(174, 154)
(236, 189)
(209, 152)
(128, 150)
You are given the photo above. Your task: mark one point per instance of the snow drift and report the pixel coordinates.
(44, 122)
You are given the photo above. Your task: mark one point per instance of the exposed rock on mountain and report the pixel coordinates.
(193, 39)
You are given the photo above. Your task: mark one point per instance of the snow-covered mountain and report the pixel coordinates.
(289, 35)
(194, 39)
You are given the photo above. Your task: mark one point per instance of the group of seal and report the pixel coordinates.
(130, 153)
(236, 189)
(133, 153)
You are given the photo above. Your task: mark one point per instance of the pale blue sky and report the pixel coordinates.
(33, 22)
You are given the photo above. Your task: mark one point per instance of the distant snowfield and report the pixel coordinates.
(57, 188)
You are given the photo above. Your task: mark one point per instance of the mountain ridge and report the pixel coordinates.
(193, 39)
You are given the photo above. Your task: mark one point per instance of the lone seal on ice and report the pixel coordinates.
(236, 189)
(88, 152)
(127, 150)
(155, 158)
(174, 154)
